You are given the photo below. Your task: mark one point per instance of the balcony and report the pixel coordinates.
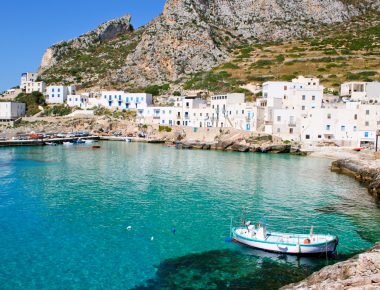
(292, 124)
(268, 122)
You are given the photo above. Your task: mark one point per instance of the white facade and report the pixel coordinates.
(361, 91)
(122, 100)
(27, 77)
(11, 111)
(58, 94)
(80, 101)
(300, 115)
(31, 87)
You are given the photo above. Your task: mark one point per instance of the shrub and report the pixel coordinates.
(32, 101)
(164, 129)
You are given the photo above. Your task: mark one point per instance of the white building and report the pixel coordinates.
(10, 111)
(27, 77)
(80, 101)
(58, 94)
(31, 87)
(122, 100)
(361, 91)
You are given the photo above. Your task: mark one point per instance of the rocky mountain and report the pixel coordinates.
(188, 37)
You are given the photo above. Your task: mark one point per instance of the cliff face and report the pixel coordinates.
(196, 35)
(106, 31)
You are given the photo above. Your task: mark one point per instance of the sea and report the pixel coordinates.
(147, 216)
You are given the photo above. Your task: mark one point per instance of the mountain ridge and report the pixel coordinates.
(189, 36)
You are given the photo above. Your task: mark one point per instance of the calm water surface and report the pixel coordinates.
(64, 213)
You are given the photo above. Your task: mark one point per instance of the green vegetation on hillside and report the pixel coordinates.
(342, 52)
(32, 102)
(91, 66)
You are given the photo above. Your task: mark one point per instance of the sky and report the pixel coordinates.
(27, 28)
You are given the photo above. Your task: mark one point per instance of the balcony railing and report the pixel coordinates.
(292, 124)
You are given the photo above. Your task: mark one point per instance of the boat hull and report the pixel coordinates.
(288, 248)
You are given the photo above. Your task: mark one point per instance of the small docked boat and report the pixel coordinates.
(257, 236)
(50, 144)
(89, 141)
(67, 143)
(79, 141)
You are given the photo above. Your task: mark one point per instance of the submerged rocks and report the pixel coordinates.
(359, 272)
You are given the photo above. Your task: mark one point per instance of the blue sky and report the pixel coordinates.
(27, 28)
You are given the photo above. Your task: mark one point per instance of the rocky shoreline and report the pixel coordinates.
(231, 145)
(366, 172)
(360, 272)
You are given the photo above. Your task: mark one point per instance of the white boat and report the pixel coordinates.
(67, 143)
(257, 236)
(51, 143)
(89, 141)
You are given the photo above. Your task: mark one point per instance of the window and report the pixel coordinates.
(59, 95)
(329, 116)
(142, 99)
(366, 134)
(367, 123)
(52, 95)
(328, 127)
(355, 116)
(319, 136)
(278, 118)
(307, 137)
(303, 108)
(367, 112)
(278, 130)
(52, 89)
(313, 98)
(285, 88)
(291, 130)
(59, 89)
(76, 99)
(342, 128)
(303, 98)
(242, 111)
(285, 97)
(355, 128)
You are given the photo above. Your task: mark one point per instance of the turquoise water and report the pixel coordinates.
(64, 213)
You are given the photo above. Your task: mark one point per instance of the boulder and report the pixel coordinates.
(239, 147)
(279, 148)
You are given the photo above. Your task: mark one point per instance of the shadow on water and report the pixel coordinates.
(241, 269)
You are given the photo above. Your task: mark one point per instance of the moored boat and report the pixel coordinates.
(257, 236)
(67, 143)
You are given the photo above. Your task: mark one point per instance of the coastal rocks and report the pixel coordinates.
(236, 146)
(361, 172)
(276, 148)
(240, 147)
(359, 272)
